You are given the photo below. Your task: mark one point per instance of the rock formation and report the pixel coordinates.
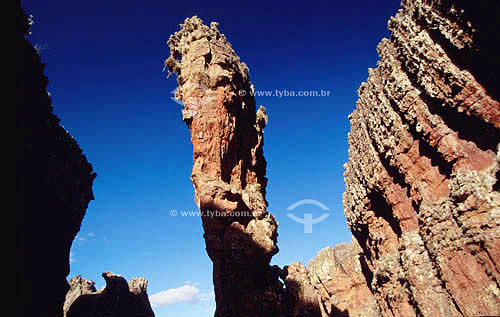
(77, 286)
(117, 299)
(300, 297)
(422, 195)
(229, 169)
(336, 274)
(55, 183)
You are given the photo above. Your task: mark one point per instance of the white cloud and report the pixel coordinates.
(71, 257)
(185, 293)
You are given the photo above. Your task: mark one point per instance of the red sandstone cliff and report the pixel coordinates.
(421, 196)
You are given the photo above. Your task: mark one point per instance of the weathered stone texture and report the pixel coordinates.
(301, 297)
(422, 181)
(422, 194)
(118, 298)
(77, 286)
(337, 276)
(229, 169)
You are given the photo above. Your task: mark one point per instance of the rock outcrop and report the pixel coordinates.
(422, 195)
(336, 274)
(116, 299)
(422, 178)
(300, 297)
(78, 286)
(55, 183)
(229, 169)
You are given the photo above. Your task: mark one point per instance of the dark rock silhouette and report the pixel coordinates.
(118, 298)
(55, 183)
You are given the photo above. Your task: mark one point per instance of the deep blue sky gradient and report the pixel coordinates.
(104, 62)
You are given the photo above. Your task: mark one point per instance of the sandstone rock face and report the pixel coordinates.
(422, 194)
(116, 299)
(55, 183)
(301, 298)
(337, 276)
(229, 169)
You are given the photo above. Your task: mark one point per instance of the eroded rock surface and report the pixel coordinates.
(337, 276)
(422, 194)
(301, 298)
(55, 181)
(118, 298)
(78, 286)
(229, 169)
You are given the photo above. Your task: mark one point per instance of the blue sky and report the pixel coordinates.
(104, 62)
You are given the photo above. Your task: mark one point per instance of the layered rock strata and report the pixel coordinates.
(422, 194)
(118, 298)
(421, 197)
(55, 182)
(229, 169)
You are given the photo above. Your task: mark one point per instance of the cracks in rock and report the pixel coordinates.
(496, 186)
(425, 149)
(437, 159)
(483, 134)
(380, 206)
(337, 312)
(405, 283)
(361, 233)
(445, 168)
(380, 282)
(365, 269)
(393, 171)
(437, 267)
(396, 176)
(490, 274)
(480, 63)
(322, 284)
(323, 304)
(208, 57)
(383, 210)
(376, 198)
